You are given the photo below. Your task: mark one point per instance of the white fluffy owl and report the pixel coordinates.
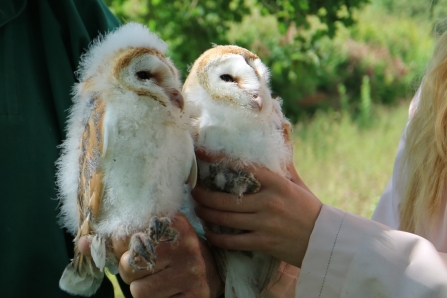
(228, 89)
(128, 161)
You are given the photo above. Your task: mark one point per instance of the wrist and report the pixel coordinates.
(302, 249)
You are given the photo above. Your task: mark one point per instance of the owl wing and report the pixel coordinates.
(282, 123)
(84, 275)
(94, 144)
(287, 130)
(192, 178)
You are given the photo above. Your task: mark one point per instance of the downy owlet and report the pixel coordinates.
(235, 114)
(128, 161)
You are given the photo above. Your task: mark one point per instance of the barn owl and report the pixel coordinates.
(235, 114)
(128, 161)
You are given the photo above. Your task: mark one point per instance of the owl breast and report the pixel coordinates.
(145, 166)
(245, 137)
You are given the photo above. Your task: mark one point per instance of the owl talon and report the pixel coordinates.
(141, 249)
(171, 234)
(160, 230)
(237, 182)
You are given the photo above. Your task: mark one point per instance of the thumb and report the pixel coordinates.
(295, 178)
(84, 246)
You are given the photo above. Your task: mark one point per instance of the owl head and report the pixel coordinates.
(131, 60)
(233, 76)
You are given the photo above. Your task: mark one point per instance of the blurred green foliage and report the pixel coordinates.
(318, 51)
(391, 50)
(190, 27)
(344, 165)
(416, 8)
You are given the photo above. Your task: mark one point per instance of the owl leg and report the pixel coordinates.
(142, 249)
(236, 182)
(160, 230)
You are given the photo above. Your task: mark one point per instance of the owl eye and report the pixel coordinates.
(227, 78)
(143, 75)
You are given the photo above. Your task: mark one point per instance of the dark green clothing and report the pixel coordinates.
(41, 42)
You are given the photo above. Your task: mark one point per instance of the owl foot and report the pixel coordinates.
(160, 230)
(142, 245)
(236, 182)
(142, 249)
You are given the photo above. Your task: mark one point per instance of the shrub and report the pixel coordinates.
(308, 74)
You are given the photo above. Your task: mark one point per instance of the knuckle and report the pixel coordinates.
(124, 268)
(276, 205)
(197, 268)
(191, 245)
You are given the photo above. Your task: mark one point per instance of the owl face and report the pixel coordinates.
(149, 74)
(130, 59)
(230, 74)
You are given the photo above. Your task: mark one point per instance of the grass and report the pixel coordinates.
(347, 165)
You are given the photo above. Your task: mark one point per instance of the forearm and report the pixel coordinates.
(350, 256)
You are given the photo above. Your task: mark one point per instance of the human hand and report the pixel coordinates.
(184, 268)
(279, 218)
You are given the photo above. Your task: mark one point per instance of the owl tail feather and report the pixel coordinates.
(240, 281)
(268, 267)
(81, 280)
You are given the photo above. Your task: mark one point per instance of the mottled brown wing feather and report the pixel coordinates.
(192, 177)
(91, 186)
(287, 129)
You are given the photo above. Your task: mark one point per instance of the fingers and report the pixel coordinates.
(120, 246)
(154, 286)
(245, 241)
(180, 269)
(84, 246)
(168, 253)
(262, 174)
(242, 221)
(224, 201)
(171, 283)
(219, 157)
(179, 222)
(128, 273)
(295, 178)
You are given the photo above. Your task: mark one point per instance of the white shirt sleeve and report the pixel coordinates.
(350, 256)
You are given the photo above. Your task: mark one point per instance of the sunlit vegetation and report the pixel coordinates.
(345, 73)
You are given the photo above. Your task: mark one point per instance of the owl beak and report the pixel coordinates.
(256, 102)
(176, 98)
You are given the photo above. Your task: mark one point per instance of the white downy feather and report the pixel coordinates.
(98, 251)
(83, 285)
(147, 148)
(240, 279)
(238, 117)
